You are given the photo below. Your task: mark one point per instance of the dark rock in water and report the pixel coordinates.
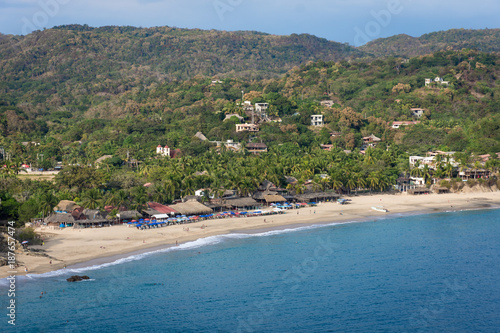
(76, 278)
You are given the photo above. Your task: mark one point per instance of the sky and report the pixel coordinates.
(348, 21)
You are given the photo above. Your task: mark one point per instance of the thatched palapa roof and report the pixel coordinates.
(60, 218)
(66, 206)
(191, 207)
(129, 215)
(260, 195)
(274, 198)
(316, 196)
(92, 216)
(419, 190)
(242, 202)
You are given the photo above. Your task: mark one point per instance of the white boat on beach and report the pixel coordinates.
(380, 209)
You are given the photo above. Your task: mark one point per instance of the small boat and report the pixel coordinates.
(380, 209)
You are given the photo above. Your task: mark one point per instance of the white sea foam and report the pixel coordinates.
(201, 242)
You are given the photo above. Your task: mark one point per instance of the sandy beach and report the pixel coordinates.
(69, 247)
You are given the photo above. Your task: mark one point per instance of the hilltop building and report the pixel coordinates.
(247, 128)
(229, 145)
(261, 107)
(328, 103)
(317, 120)
(163, 151)
(398, 124)
(437, 79)
(256, 148)
(370, 141)
(417, 112)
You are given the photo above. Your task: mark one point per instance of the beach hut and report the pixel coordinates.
(419, 190)
(274, 198)
(66, 206)
(191, 207)
(56, 219)
(128, 215)
(242, 203)
(92, 217)
(316, 197)
(155, 208)
(441, 190)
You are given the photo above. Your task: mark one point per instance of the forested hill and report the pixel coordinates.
(486, 40)
(83, 52)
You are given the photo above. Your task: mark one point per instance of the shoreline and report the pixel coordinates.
(80, 249)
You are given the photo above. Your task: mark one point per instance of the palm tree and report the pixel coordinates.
(46, 202)
(373, 180)
(383, 182)
(335, 183)
(297, 186)
(416, 171)
(477, 166)
(426, 173)
(438, 161)
(91, 199)
(360, 180)
(120, 199)
(449, 169)
(351, 183)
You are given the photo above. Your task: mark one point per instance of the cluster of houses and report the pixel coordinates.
(167, 152)
(69, 214)
(258, 115)
(437, 80)
(252, 147)
(416, 184)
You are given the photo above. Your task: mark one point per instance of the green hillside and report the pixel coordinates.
(108, 93)
(487, 40)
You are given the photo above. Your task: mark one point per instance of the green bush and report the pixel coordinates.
(445, 183)
(28, 234)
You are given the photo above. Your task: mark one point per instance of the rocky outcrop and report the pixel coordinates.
(76, 278)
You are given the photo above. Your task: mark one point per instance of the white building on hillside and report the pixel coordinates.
(163, 151)
(317, 120)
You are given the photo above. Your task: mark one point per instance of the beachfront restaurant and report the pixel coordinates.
(242, 204)
(87, 219)
(128, 215)
(316, 197)
(154, 208)
(56, 220)
(274, 198)
(191, 207)
(419, 190)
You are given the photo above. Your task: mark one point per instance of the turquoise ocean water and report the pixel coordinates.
(425, 273)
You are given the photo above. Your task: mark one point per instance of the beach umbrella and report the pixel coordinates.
(24, 242)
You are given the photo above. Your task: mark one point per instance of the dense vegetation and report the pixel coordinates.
(487, 40)
(73, 94)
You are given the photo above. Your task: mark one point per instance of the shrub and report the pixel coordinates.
(445, 183)
(471, 182)
(28, 234)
